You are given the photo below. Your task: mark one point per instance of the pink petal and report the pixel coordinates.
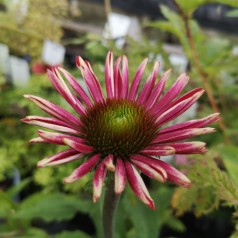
(76, 86)
(108, 162)
(158, 174)
(50, 123)
(173, 174)
(193, 123)
(172, 93)
(158, 89)
(57, 138)
(120, 177)
(159, 150)
(125, 78)
(195, 147)
(54, 110)
(178, 109)
(109, 77)
(77, 145)
(64, 91)
(98, 180)
(148, 87)
(37, 140)
(91, 80)
(178, 135)
(117, 79)
(60, 158)
(83, 169)
(137, 79)
(138, 186)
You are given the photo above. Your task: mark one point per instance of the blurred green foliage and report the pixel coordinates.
(41, 197)
(31, 22)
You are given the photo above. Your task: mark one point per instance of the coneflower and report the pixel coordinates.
(122, 131)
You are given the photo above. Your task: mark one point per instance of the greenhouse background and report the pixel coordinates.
(199, 37)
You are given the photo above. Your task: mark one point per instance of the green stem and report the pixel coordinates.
(109, 207)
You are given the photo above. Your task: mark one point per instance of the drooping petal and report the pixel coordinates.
(178, 109)
(91, 80)
(76, 86)
(64, 91)
(57, 138)
(83, 169)
(194, 147)
(109, 76)
(173, 174)
(138, 186)
(37, 140)
(148, 87)
(125, 78)
(159, 150)
(98, 180)
(77, 145)
(54, 110)
(120, 176)
(192, 123)
(178, 135)
(50, 123)
(158, 89)
(172, 93)
(137, 79)
(158, 174)
(62, 157)
(108, 162)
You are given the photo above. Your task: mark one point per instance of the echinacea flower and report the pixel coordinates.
(122, 132)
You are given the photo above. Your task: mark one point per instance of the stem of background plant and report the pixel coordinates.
(199, 69)
(109, 207)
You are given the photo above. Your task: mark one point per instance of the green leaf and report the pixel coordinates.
(232, 13)
(229, 154)
(50, 207)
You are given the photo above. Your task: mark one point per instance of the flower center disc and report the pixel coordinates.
(118, 127)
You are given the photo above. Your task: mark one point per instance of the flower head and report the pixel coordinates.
(121, 132)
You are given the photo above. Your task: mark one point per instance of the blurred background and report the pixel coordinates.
(199, 37)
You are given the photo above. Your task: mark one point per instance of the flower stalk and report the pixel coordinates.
(109, 209)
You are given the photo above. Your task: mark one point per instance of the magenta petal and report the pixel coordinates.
(77, 145)
(138, 186)
(76, 86)
(125, 78)
(64, 91)
(117, 78)
(137, 79)
(50, 123)
(195, 147)
(54, 110)
(120, 177)
(158, 89)
(108, 162)
(83, 169)
(148, 87)
(178, 109)
(158, 174)
(109, 76)
(57, 138)
(60, 158)
(193, 123)
(173, 174)
(172, 93)
(178, 135)
(91, 80)
(98, 180)
(159, 150)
